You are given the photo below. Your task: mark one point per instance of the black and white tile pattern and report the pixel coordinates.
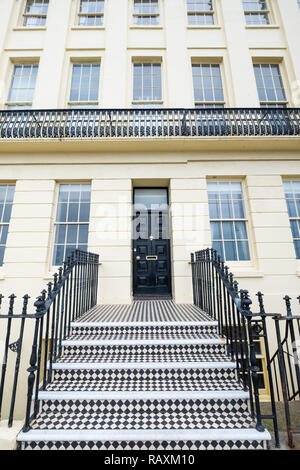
(145, 445)
(188, 398)
(135, 406)
(146, 350)
(145, 375)
(146, 311)
(117, 333)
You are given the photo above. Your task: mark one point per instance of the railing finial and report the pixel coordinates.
(287, 300)
(25, 304)
(246, 301)
(261, 302)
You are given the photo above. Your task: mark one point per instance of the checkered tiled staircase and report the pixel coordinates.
(153, 375)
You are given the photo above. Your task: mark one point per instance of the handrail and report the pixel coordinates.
(285, 364)
(216, 292)
(148, 122)
(72, 292)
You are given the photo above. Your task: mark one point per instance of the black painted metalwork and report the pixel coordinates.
(285, 364)
(72, 292)
(137, 123)
(216, 292)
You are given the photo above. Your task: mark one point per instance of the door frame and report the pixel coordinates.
(134, 295)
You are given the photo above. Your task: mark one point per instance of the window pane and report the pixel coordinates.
(230, 251)
(219, 247)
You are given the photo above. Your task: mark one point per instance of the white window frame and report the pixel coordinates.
(210, 13)
(266, 12)
(2, 223)
(20, 104)
(146, 15)
(147, 103)
(25, 15)
(79, 14)
(240, 263)
(276, 103)
(293, 218)
(207, 104)
(93, 104)
(57, 223)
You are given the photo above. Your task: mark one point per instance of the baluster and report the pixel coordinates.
(17, 347)
(49, 298)
(268, 361)
(40, 305)
(52, 344)
(12, 298)
(58, 301)
(246, 302)
(41, 299)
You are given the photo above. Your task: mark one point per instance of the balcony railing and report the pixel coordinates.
(148, 123)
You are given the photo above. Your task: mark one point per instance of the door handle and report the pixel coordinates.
(138, 258)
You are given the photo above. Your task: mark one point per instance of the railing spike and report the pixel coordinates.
(12, 298)
(25, 304)
(287, 300)
(261, 302)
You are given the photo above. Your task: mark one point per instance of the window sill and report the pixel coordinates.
(262, 26)
(88, 28)
(204, 26)
(247, 273)
(146, 26)
(49, 276)
(30, 28)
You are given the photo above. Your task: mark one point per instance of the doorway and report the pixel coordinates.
(151, 243)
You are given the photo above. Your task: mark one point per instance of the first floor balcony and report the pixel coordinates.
(148, 123)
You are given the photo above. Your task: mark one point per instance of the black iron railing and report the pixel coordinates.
(216, 292)
(135, 123)
(285, 364)
(72, 292)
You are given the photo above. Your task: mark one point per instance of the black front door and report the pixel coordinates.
(151, 243)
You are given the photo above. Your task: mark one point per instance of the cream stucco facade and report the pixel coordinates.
(115, 166)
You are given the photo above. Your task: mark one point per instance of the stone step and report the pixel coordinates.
(144, 330)
(236, 402)
(165, 439)
(144, 371)
(145, 348)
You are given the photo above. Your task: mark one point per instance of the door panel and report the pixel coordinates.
(151, 240)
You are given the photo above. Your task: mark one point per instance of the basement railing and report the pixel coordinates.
(285, 365)
(72, 292)
(216, 292)
(138, 123)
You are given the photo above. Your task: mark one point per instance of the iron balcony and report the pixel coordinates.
(148, 123)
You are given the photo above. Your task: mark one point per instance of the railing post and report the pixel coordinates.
(271, 385)
(39, 304)
(18, 349)
(12, 298)
(284, 387)
(246, 302)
